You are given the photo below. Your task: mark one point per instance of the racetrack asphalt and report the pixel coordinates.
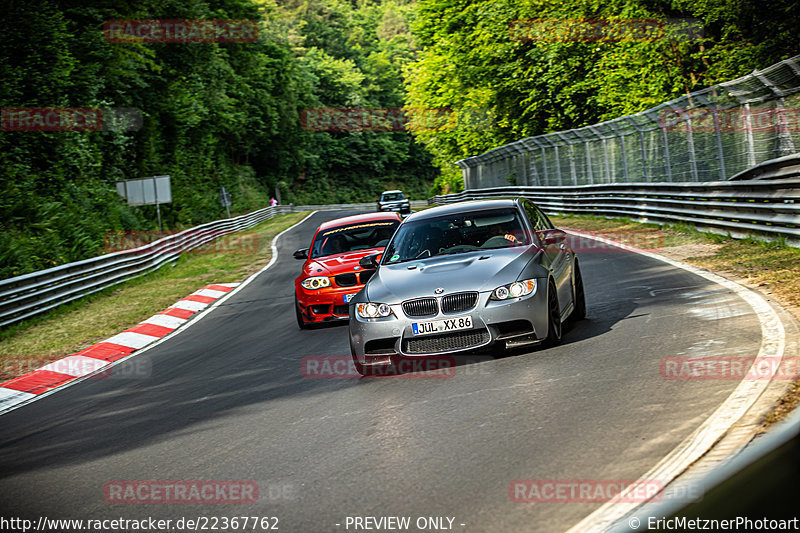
(226, 400)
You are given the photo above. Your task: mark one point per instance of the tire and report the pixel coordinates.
(554, 325)
(299, 315)
(579, 296)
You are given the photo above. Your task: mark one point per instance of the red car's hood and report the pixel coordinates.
(332, 265)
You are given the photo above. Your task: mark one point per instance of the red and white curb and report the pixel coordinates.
(101, 355)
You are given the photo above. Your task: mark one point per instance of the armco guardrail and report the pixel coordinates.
(28, 295)
(780, 168)
(741, 208)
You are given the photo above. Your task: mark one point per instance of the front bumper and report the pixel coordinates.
(513, 322)
(400, 208)
(325, 305)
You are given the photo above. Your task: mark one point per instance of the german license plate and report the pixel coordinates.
(348, 297)
(441, 326)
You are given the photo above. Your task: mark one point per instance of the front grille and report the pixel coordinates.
(458, 302)
(351, 279)
(446, 342)
(346, 280)
(420, 307)
(341, 310)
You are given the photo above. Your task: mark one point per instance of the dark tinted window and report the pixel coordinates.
(393, 197)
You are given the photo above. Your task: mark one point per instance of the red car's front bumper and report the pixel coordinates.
(329, 303)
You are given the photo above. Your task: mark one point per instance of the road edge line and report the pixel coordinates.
(184, 327)
(719, 423)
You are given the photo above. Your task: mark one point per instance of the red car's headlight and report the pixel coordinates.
(316, 282)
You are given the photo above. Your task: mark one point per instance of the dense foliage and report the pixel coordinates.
(214, 114)
(487, 58)
(233, 114)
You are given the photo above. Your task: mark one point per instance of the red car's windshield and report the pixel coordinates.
(353, 237)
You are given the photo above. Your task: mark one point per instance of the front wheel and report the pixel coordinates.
(579, 301)
(553, 317)
(299, 315)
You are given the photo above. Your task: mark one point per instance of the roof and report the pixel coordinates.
(367, 217)
(460, 207)
(392, 191)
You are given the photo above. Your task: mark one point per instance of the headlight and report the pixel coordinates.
(373, 310)
(514, 290)
(317, 282)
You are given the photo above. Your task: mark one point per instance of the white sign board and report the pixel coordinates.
(146, 191)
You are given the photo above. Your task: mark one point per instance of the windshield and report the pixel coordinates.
(393, 196)
(352, 237)
(459, 233)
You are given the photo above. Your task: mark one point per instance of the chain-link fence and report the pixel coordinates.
(707, 135)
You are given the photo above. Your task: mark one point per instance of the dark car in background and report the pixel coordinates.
(394, 201)
(464, 276)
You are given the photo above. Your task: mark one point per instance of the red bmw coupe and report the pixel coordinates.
(331, 274)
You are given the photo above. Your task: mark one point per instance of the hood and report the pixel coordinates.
(337, 264)
(474, 271)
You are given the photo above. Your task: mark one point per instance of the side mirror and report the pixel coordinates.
(301, 253)
(369, 262)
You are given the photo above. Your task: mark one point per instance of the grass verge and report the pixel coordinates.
(70, 328)
(771, 267)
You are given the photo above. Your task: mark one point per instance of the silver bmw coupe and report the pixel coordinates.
(460, 277)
